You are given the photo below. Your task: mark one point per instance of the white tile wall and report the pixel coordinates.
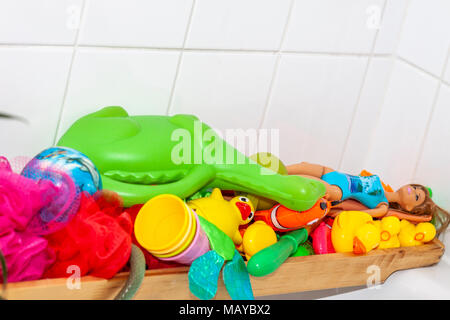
(236, 24)
(346, 82)
(447, 73)
(138, 80)
(32, 82)
(425, 39)
(390, 26)
(39, 21)
(433, 168)
(402, 122)
(136, 23)
(312, 106)
(226, 90)
(333, 26)
(365, 120)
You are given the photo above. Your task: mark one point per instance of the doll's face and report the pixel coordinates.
(410, 197)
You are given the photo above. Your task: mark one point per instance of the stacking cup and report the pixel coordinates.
(198, 247)
(165, 225)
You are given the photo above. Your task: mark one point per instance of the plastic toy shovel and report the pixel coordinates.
(269, 259)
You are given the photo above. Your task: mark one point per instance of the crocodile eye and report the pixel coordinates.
(244, 199)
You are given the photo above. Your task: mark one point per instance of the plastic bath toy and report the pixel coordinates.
(170, 230)
(415, 235)
(282, 219)
(71, 172)
(141, 157)
(72, 162)
(270, 258)
(226, 215)
(321, 236)
(367, 238)
(257, 237)
(346, 236)
(389, 228)
(205, 270)
(269, 161)
(304, 249)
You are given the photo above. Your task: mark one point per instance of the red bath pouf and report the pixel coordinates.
(97, 240)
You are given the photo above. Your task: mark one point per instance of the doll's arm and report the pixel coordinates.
(350, 205)
(309, 169)
(379, 211)
(408, 216)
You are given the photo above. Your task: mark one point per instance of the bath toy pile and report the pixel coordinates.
(149, 190)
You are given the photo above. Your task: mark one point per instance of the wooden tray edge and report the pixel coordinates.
(297, 274)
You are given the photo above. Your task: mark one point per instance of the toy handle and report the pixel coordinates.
(269, 259)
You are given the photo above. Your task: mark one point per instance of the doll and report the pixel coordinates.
(366, 193)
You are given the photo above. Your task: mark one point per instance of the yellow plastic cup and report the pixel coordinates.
(182, 245)
(164, 224)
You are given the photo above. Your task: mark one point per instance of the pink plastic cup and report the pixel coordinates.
(198, 247)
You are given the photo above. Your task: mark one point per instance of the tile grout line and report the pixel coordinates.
(180, 58)
(337, 54)
(361, 89)
(69, 73)
(430, 116)
(275, 70)
(415, 66)
(394, 58)
(212, 50)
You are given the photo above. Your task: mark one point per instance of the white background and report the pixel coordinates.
(351, 84)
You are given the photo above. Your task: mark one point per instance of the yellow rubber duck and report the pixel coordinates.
(257, 236)
(389, 228)
(415, 235)
(225, 215)
(367, 238)
(354, 231)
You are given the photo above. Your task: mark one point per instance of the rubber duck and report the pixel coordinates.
(344, 230)
(389, 229)
(367, 238)
(225, 215)
(415, 235)
(425, 232)
(257, 237)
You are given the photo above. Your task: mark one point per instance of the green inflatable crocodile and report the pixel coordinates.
(140, 157)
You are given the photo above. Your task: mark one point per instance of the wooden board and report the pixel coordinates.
(297, 274)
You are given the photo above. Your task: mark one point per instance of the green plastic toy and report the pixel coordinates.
(269, 259)
(204, 272)
(269, 161)
(140, 157)
(304, 249)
